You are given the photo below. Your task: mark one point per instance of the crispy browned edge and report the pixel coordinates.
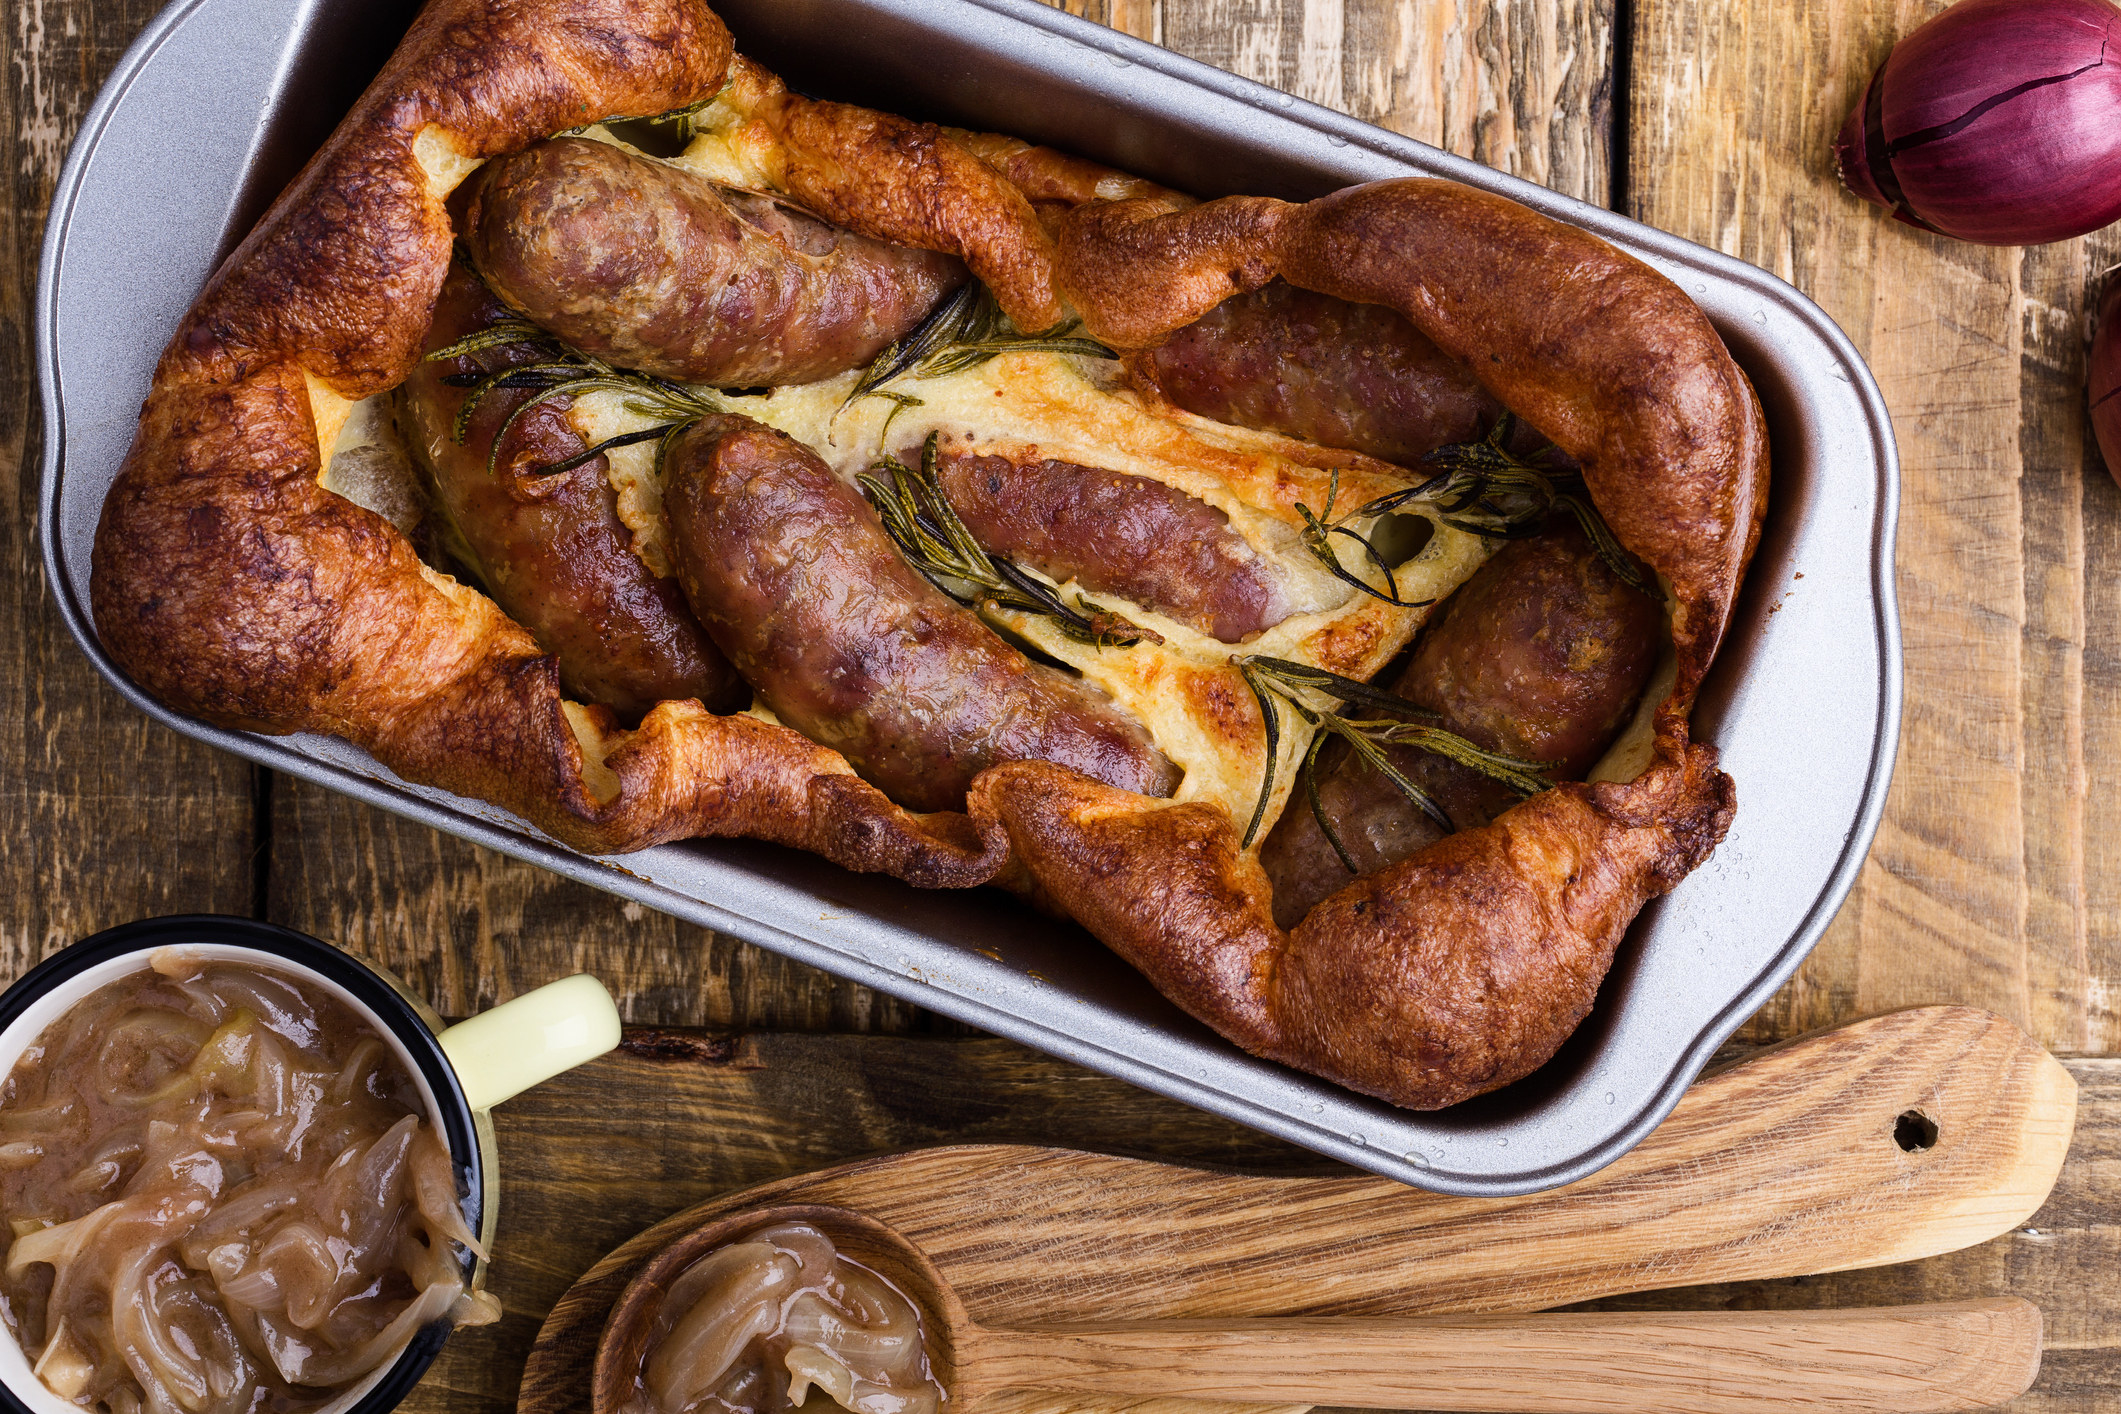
(232, 586)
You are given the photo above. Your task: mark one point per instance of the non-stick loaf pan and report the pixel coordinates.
(218, 103)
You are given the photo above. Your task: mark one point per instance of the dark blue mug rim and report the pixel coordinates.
(358, 980)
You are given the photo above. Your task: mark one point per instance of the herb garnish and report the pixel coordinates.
(1279, 683)
(564, 371)
(920, 521)
(962, 332)
(1481, 488)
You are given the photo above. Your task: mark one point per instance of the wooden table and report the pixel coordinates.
(1992, 881)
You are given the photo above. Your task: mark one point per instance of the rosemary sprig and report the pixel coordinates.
(501, 334)
(920, 521)
(1319, 529)
(1625, 567)
(1481, 488)
(899, 403)
(1279, 684)
(963, 332)
(562, 371)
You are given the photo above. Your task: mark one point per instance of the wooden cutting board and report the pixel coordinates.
(1900, 1137)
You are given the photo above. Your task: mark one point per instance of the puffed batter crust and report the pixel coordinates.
(232, 586)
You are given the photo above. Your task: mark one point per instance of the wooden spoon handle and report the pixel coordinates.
(1925, 1359)
(1892, 1139)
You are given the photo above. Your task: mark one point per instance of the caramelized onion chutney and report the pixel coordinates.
(224, 1194)
(752, 1327)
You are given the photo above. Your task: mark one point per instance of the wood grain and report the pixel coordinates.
(674, 1117)
(1526, 87)
(1994, 880)
(468, 927)
(1928, 1359)
(2063, 1259)
(109, 817)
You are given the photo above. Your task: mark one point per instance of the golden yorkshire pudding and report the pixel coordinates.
(960, 510)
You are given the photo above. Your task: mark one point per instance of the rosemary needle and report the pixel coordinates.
(563, 371)
(1280, 685)
(962, 332)
(920, 521)
(1479, 487)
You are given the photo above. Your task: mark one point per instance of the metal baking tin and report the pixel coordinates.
(217, 103)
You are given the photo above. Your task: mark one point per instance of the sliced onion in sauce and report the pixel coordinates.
(752, 1327)
(234, 1221)
(729, 1299)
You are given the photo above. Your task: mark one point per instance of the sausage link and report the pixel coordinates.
(1132, 536)
(551, 550)
(794, 576)
(1355, 376)
(1541, 654)
(651, 267)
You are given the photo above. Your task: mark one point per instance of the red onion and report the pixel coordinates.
(2105, 379)
(1998, 121)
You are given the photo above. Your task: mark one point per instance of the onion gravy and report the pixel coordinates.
(225, 1196)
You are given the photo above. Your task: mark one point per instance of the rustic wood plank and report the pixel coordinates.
(1520, 86)
(1992, 882)
(109, 817)
(1141, 18)
(1732, 111)
(677, 1118)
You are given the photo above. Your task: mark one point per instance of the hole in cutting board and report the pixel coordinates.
(1915, 1131)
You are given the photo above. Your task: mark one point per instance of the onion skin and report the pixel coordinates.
(1999, 121)
(2105, 378)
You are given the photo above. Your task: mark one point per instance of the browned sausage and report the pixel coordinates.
(1541, 655)
(1132, 536)
(551, 550)
(794, 576)
(1354, 376)
(651, 267)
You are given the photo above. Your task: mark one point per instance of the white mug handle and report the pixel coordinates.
(499, 1054)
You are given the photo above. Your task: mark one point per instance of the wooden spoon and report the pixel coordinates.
(1960, 1355)
(1812, 1157)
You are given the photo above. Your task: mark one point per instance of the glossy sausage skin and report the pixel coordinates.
(651, 267)
(1354, 376)
(551, 550)
(1541, 654)
(1130, 536)
(794, 576)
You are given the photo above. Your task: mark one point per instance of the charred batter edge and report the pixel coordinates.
(231, 585)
